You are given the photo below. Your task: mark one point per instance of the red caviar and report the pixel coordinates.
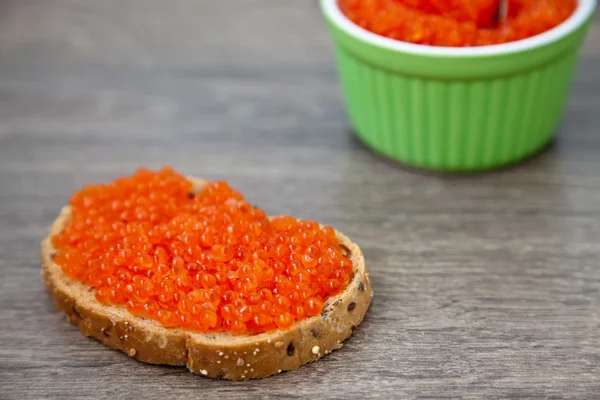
(456, 23)
(206, 262)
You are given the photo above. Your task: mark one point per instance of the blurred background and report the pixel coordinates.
(205, 86)
(485, 285)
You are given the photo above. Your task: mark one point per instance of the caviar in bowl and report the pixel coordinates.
(449, 108)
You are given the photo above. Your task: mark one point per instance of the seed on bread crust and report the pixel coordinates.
(345, 250)
(290, 349)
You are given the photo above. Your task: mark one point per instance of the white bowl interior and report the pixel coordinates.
(578, 18)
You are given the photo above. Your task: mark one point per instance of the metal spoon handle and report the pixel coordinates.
(502, 11)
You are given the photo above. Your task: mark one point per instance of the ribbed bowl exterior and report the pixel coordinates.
(456, 123)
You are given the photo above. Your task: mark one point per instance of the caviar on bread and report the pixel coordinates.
(176, 270)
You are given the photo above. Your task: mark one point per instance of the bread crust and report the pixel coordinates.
(215, 355)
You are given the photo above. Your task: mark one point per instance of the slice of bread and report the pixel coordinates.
(217, 355)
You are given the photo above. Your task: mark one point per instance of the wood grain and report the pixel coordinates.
(485, 286)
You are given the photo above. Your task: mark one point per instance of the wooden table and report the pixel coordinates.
(485, 286)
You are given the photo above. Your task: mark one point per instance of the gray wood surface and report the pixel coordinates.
(485, 286)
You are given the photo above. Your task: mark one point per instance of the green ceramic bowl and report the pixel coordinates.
(456, 109)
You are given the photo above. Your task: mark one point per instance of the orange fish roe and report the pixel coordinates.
(456, 23)
(205, 262)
